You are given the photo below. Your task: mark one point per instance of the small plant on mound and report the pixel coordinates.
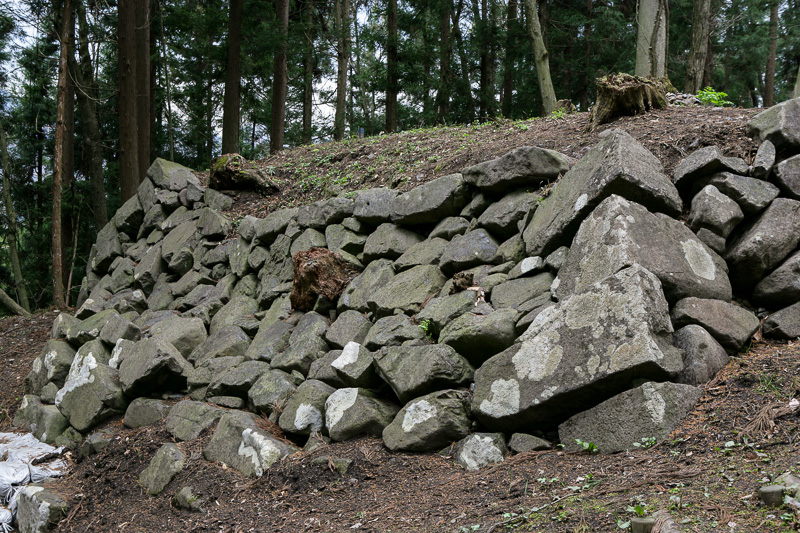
(589, 447)
(711, 97)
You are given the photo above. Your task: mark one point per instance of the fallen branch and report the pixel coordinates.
(11, 305)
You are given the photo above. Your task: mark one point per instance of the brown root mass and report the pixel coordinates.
(625, 95)
(319, 272)
(234, 172)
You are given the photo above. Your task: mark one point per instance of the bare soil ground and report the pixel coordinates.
(707, 474)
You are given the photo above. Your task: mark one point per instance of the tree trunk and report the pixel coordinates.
(701, 29)
(769, 78)
(128, 125)
(58, 158)
(465, 81)
(11, 305)
(625, 95)
(233, 68)
(342, 21)
(279, 81)
(651, 38)
(796, 92)
(68, 161)
(308, 73)
(391, 67)
(541, 60)
(587, 57)
(11, 215)
(506, 100)
(143, 96)
(86, 93)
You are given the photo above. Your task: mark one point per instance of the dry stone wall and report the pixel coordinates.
(481, 313)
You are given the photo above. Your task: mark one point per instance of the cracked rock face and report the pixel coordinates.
(579, 352)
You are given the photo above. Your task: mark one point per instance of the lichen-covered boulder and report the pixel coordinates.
(89, 329)
(412, 371)
(501, 218)
(39, 510)
(238, 307)
(304, 413)
(618, 164)
(703, 356)
(229, 341)
(713, 210)
(513, 294)
(350, 326)
(479, 336)
(188, 419)
(271, 391)
(752, 195)
(523, 166)
(408, 290)
(393, 331)
(473, 248)
(358, 293)
(185, 334)
(780, 124)
(620, 233)
(91, 392)
(729, 323)
(480, 450)
(351, 412)
(429, 422)
(239, 443)
(354, 367)
(237, 381)
(145, 411)
(306, 344)
(586, 348)
(650, 411)
(432, 201)
(45, 421)
(167, 462)
(153, 366)
(270, 340)
(389, 241)
(52, 365)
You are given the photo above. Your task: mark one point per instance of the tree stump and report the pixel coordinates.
(624, 95)
(319, 272)
(234, 172)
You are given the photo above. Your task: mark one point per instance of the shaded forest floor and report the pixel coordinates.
(707, 473)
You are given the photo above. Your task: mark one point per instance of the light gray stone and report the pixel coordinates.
(271, 392)
(730, 324)
(514, 293)
(429, 422)
(703, 162)
(430, 202)
(651, 410)
(480, 450)
(230, 341)
(39, 510)
(188, 419)
(351, 412)
(185, 334)
(91, 393)
(713, 210)
(787, 177)
(392, 330)
(45, 421)
(784, 324)
(703, 356)
(374, 206)
(523, 166)
(780, 124)
(52, 365)
(764, 160)
(354, 367)
(167, 462)
(356, 295)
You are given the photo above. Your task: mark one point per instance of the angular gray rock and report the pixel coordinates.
(230, 341)
(271, 392)
(522, 442)
(502, 217)
(325, 212)
(149, 269)
(351, 412)
(185, 334)
(412, 371)
(108, 248)
(713, 210)
(153, 366)
(765, 243)
(649, 411)
(144, 412)
(268, 229)
(408, 290)
(167, 462)
(238, 307)
(473, 248)
(480, 450)
(618, 164)
(188, 419)
(129, 217)
(374, 206)
(269, 341)
(523, 166)
(787, 176)
(479, 336)
(91, 393)
(578, 352)
(620, 233)
(703, 356)
(306, 344)
(785, 324)
(356, 295)
(393, 330)
(310, 238)
(322, 370)
(449, 227)
(341, 239)
(432, 201)
(764, 160)
(703, 162)
(213, 225)
(389, 241)
(440, 311)
(200, 377)
(782, 286)
(89, 329)
(239, 443)
(304, 413)
(45, 421)
(349, 326)
(730, 324)
(119, 328)
(39, 510)
(514, 293)
(430, 422)
(355, 368)
(780, 124)
(426, 252)
(237, 381)
(52, 365)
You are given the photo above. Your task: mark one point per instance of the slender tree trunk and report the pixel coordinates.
(709, 66)
(484, 38)
(769, 78)
(143, 96)
(541, 60)
(279, 81)
(506, 100)
(391, 66)
(701, 29)
(651, 38)
(796, 92)
(11, 233)
(58, 158)
(86, 96)
(587, 56)
(165, 59)
(233, 68)
(128, 125)
(308, 73)
(465, 81)
(342, 20)
(68, 161)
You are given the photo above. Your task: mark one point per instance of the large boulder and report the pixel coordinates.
(703, 162)
(374, 206)
(358, 293)
(145, 411)
(325, 212)
(782, 286)
(474, 248)
(432, 201)
(779, 124)
(501, 218)
(185, 334)
(350, 326)
(512, 294)
(580, 352)
(268, 229)
(271, 392)
(523, 166)
(408, 291)
(412, 371)
(427, 252)
(270, 340)
(393, 330)
(352, 411)
(765, 243)
(479, 336)
(730, 324)
(429, 422)
(785, 324)
(229, 341)
(167, 462)
(752, 195)
(714, 211)
(354, 367)
(39, 510)
(620, 233)
(306, 344)
(389, 241)
(304, 413)
(787, 177)
(241, 444)
(153, 366)
(236, 381)
(618, 164)
(188, 419)
(52, 365)
(91, 392)
(650, 411)
(45, 421)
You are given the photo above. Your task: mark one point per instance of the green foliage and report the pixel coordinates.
(589, 447)
(645, 443)
(711, 97)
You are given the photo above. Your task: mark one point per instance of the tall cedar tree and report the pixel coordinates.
(279, 80)
(701, 30)
(128, 125)
(308, 72)
(651, 38)
(541, 59)
(342, 21)
(233, 74)
(143, 107)
(769, 76)
(391, 66)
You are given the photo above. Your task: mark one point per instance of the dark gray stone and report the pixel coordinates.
(129, 217)
(91, 393)
(350, 326)
(271, 391)
(167, 462)
(153, 366)
(782, 286)
(407, 291)
(479, 336)
(237, 381)
(144, 412)
(752, 195)
(449, 227)
(440, 311)
(339, 238)
(502, 217)
(325, 212)
(730, 324)
(392, 330)
(713, 210)
(238, 307)
(185, 334)
(764, 161)
(703, 162)
(354, 367)
(430, 202)
(356, 295)
(213, 225)
(703, 356)
(522, 443)
(39, 510)
(426, 252)
(474, 248)
(108, 248)
(785, 324)
(389, 241)
(779, 124)
(787, 177)
(187, 419)
(430, 422)
(351, 412)
(305, 411)
(52, 365)
(308, 239)
(230, 341)
(270, 340)
(514, 293)
(306, 344)
(268, 229)
(374, 206)
(524, 166)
